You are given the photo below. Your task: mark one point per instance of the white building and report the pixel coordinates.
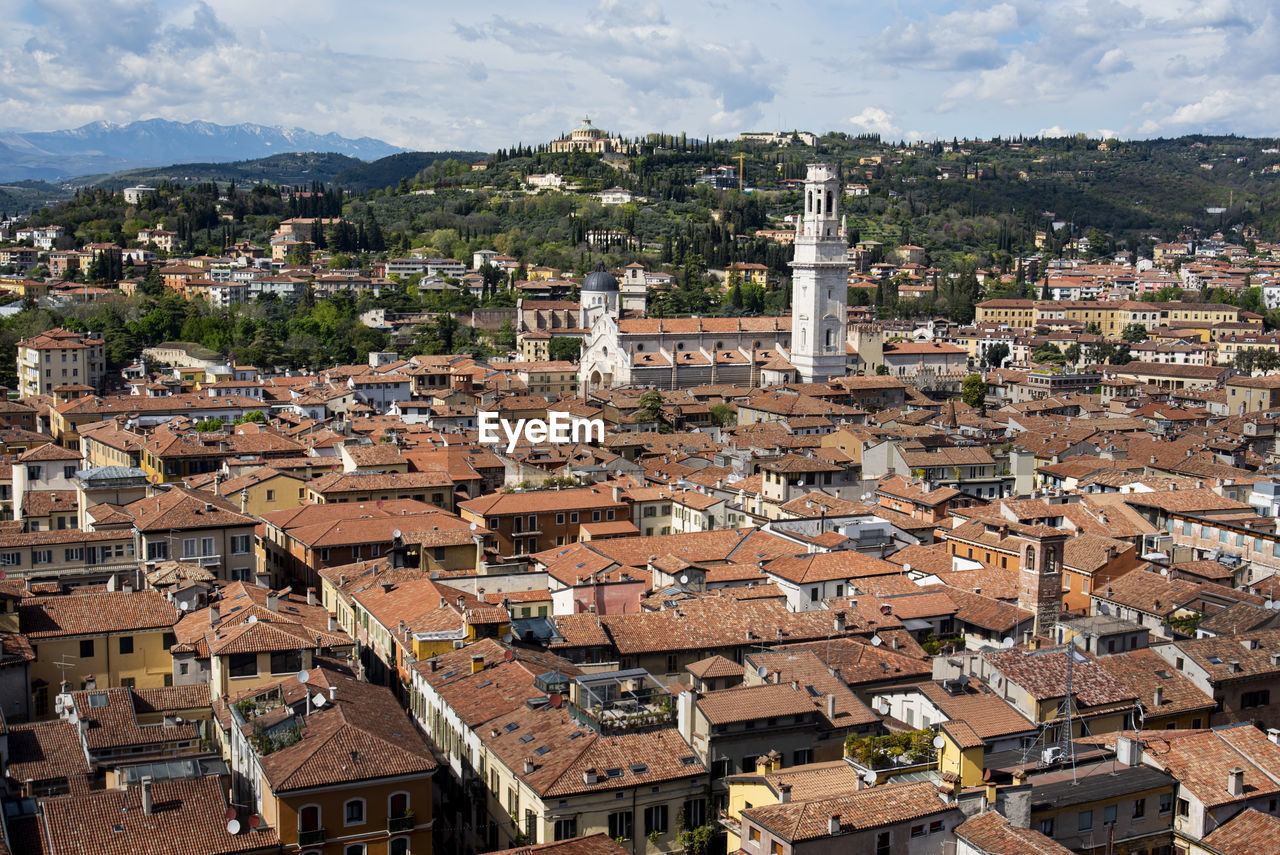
(820, 272)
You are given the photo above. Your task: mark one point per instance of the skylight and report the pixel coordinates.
(511, 726)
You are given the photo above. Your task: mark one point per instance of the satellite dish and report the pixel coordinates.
(869, 776)
(473, 526)
(906, 568)
(303, 676)
(684, 578)
(555, 700)
(1007, 641)
(1268, 604)
(876, 641)
(396, 534)
(884, 708)
(1275, 605)
(318, 701)
(73, 719)
(508, 638)
(938, 741)
(252, 619)
(762, 672)
(230, 813)
(255, 821)
(233, 826)
(184, 606)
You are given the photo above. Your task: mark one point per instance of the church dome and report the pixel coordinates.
(600, 280)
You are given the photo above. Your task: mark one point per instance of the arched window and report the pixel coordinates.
(819, 211)
(398, 805)
(830, 208)
(810, 202)
(830, 338)
(309, 818)
(804, 337)
(399, 846)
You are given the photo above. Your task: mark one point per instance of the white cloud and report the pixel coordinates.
(875, 120)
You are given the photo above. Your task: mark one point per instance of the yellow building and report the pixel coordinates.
(117, 638)
(263, 490)
(334, 766)
(771, 785)
(246, 656)
(961, 752)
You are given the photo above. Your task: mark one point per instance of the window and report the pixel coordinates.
(775, 847)
(1184, 807)
(566, 828)
(400, 846)
(74, 554)
(240, 544)
(918, 831)
(1260, 698)
(813, 595)
(559, 519)
(620, 827)
(595, 516)
(188, 547)
(353, 812)
(126, 645)
(1166, 802)
(695, 813)
(33, 472)
(206, 546)
(86, 649)
(286, 662)
(671, 663)
(1139, 808)
(573, 517)
(655, 819)
(755, 834)
(355, 849)
(158, 550)
(242, 665)
(884, 842)
(1109, 815)
(1085, 821)
(10, 559)
(801, 756)
(42, 556)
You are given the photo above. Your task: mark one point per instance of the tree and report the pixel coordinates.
(974, 391)
(564, 348)
(995, 355)
(722, 415)
(1134, 333)
(650, 409)
(253, 416)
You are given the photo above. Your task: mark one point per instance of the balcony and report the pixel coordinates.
(403, 822)
(311, 838)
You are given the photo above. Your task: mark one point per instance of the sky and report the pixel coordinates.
(427, 75)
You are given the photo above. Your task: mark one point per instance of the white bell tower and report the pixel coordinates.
(819, 280)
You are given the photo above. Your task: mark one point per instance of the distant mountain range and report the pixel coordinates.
(106, 147)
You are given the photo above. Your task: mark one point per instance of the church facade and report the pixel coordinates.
(677, 353)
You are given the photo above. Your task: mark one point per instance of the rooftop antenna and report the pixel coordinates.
(303, 676)
(62, 665)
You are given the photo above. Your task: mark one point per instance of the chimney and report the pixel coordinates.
(215, 614)
(831, 707)
(311, 596)
(333, 693)
(784, 793)
(1157, 697)
(833, 824)
(839, 622)
(90, 683)
(1235, 666)
(273, 602)
(477, 663)
(147, 806)
(1235, 781)
(333, 623)
(528, 765)
(589, 777)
